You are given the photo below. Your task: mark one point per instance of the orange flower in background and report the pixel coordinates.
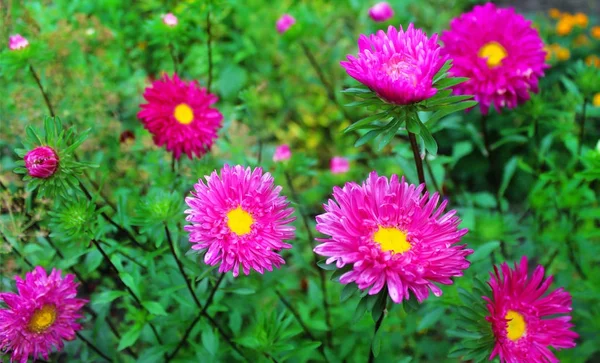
(563, 54)
(565, 25)
(593, 60)
(595, 32)
(554, 13)
(596, 100)
(581, 20)
(581, 40)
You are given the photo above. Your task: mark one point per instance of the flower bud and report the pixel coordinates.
(41, 162)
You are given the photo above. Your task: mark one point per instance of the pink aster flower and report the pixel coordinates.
(526, 323)
(282, 153)
(169, 19)
(503, 63)
(17, 42)
(399, 66)
(240, 220)
(339, 165)
(381, 11)
(41, 162)
(40, 316)
(284, 23)
(179, 115)
(393, 237)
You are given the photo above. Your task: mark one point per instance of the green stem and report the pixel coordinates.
(133, 295)
(44, 94)
(299, 320)
(209, 49)
(377, 327)
(181, 269)
(417, 157)
(311, 239)
(582, 127)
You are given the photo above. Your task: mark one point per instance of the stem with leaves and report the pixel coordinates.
(133, 295)
(311, 238)
(492, 164)
(582, 126)
(299, 320)
(376, 330)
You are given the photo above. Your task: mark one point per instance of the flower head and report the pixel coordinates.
(503, 63)
(17, 42)
(381, 11)
(240, 220)
(398, 65)
(284, 23)
(393, 236)
(41, 162)
(524, 322)
(595, 32)
(169, 19)
(339, 165)
(596, 100)
(282, 153)
(179, 115)
(40, 316)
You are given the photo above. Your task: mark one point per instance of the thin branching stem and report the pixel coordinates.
(133, 295)
(209, 48)
(188, 282)
(311, 240)
(417, 157)
(44, 94)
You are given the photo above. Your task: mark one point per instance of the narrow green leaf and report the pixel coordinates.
(361, 308)
(325, 266)
(484, 251)
(430, 318)
(347, 292)
(130, 337)
(430, 143)
(450, 109)
(442, 72)
(356, 90)
(106, 297)
(412, 125)
(509, 171)
(376, 344)
(154, 308)
(449, 82)
(366, 121)
(210, 341)
(367, 137)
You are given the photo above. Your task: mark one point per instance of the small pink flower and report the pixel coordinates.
(17, 42)
(339, 165)
(285, 22)
(381, 11)
(282, 153)
(41, 162)
(169, 19)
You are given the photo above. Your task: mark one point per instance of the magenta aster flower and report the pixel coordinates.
(282, 153)
(339, 165)
(393, 237)
(381, 11)
(169, 19)
(399, 66)
(240, 220)
(179, 115)
(503, 63)
(40, 316)
(525, 323)
(17, 42)
(41, 162)
(284, 23)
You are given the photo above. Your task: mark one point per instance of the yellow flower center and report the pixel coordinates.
(516, 325)
(494, 52)
(183, 114)
(42, 319)
(391, 239)
(239, 221)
